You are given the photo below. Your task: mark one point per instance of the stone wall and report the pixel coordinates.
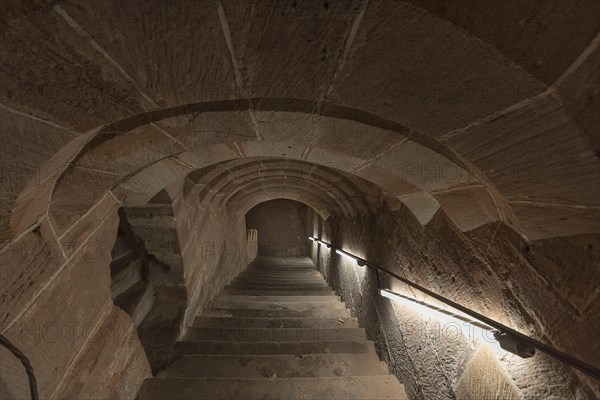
(213, 248)
(57, 303)
(56, 307)
(488, 270)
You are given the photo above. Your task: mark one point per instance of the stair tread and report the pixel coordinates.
(310, 299)
(308, 322)
(346, 388)
(280, 365)
(293, 348)
(271, 305)
(232, 334)
(249, 312)
(280, 292)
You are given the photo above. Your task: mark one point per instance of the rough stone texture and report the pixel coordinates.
(479, 268)
(51, 71)
(296, 53)
(52, 335)
(42, 259)
(33, 202)
(536, 157)
(528, 32)
(26, 145)
(481, 208)
(198, 129)
(141, 36)
(120, 155)
(579, 93)
(80, 231)
(512, 260)
(13, 377)
(424, 168)
(68, 209)
(106, 368)
(484, 378)
(562, 169)
(427, 89)
(148, 278)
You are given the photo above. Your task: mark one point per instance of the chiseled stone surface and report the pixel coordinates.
(534, 152)
(13, 377)
(198, 129)
(26, 265)
(483, 378)
(89, 184)
(125, 153)
(26, 145)
(481, 209)
(50, 70)
(573, 328)
(53, 329)
(579, 94)
(506, 27)
(289, 49)
(111, 366)
(477, 271)
(176, 52)
(427, 89)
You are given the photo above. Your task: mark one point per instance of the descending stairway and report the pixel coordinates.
(276, 332)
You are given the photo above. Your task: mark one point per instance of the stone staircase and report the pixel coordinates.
(276, 332)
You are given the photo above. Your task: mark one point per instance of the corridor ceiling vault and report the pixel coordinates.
(92, 90)
(484, 114)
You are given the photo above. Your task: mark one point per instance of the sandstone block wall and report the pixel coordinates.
(500, 278)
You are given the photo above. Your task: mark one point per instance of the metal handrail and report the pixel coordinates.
(549, 350)
(26, 363)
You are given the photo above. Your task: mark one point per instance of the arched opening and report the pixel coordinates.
(282, 226)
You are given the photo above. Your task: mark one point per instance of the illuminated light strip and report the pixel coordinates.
(359, 261)
(328, 245)
(426, 308)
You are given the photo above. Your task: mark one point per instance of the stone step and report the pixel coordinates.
(272, 260)
(288, 280)
(309, 279)
(235, 334)
(241, 322)
(289, 288)
(275, 281)
(284, 276)
(280, 292)
(285, 267)
(295, 281)
(265, 270)
(284, 305)
(309, 299)
(331, 388)
(284, 273)
(186, 347)
(315, 312)
(256, 286)
(279, 366)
